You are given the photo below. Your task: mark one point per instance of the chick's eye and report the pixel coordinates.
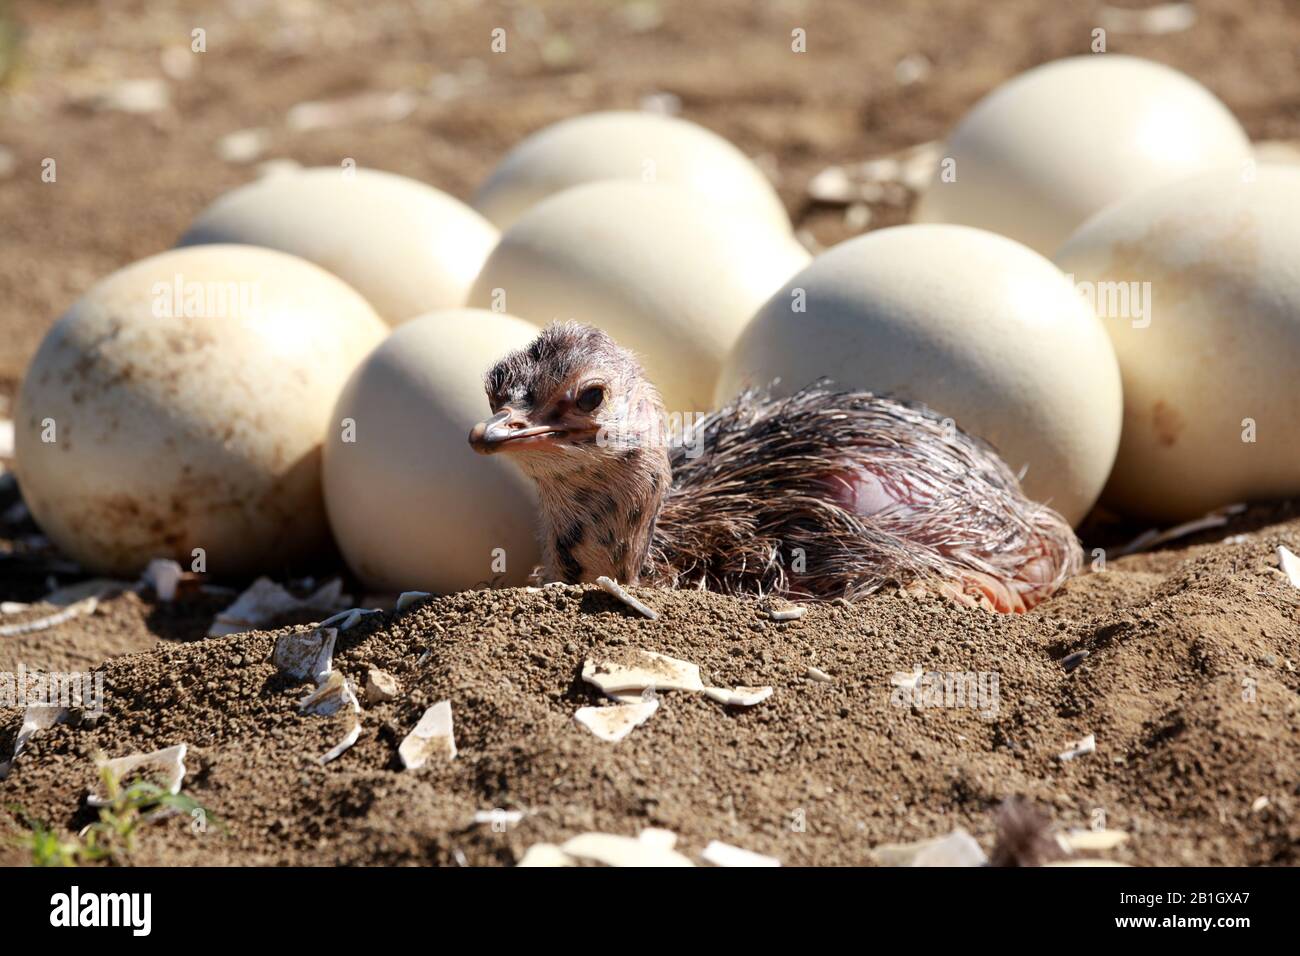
(590, 398)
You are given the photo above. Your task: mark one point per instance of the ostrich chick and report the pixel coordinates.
(823, 494)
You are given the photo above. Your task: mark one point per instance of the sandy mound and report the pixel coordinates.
(1190, 687)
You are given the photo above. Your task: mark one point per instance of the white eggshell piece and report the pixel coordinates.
(405, 246)
(264, 601)
(973, 325)
(1079, 748)
(1077, 841)
(640, 147)
(616, 721)
(660, 272)
(164, 576)
(738, 696)
(411, 504)
(724, 854)
(146, 432)
(613, 850)
(170, 761)
(958, 848)
(1210, 362)
(546, 854)
(647, 669)
(1052, 146)
(1290, 565)
(432, 737)
(305, 655)
(332, 693)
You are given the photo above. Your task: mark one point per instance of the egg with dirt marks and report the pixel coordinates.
(662, 273)
(177, 411)
(1197, 285)
(638, 147)
(405, 246)
(412, 508)
(1050, 147)
(979, 328)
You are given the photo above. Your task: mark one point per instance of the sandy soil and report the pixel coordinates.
(1190, 685)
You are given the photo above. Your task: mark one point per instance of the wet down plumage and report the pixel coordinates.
(819, 495)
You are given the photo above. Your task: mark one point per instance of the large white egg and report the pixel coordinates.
(662, 273)
(407, 247)
(1198, 284)
(640, 147)
(411, 505)
(974, 325)
(181, 403)
(1047, 149)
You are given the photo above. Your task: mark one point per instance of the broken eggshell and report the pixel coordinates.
(613, 850)
(170, 761)
(648, 669)
(432, 737)
(305, 655)
(616, 721)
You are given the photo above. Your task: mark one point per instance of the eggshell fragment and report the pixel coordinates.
(626, 145)
(1077, 841)
(974, 325)
(432, 737)
(614, 850)
(410, 503)
(305, 655)
(738, 696)
(615, 722)
(1210, 361)
(546, 854)
(724, 854)
(957, 848)
(1290, 565)
(1079, 748)
(180, 404)
(649, 264)
(264, 601)
(646, 669)
(405, 246)
(1052, 146)
(170, 761)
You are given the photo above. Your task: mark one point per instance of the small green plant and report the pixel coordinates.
(112, 838)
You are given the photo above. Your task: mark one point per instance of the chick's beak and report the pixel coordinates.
(508, 428)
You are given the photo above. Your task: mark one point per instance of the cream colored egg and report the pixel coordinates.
(1047, 149)
(638, 147)
(180, 405)
(662, 273)
(411, 505)
(974, 325)
(405, 246)
(1197, 284)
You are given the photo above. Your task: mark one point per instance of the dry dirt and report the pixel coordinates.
(1190, 685)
